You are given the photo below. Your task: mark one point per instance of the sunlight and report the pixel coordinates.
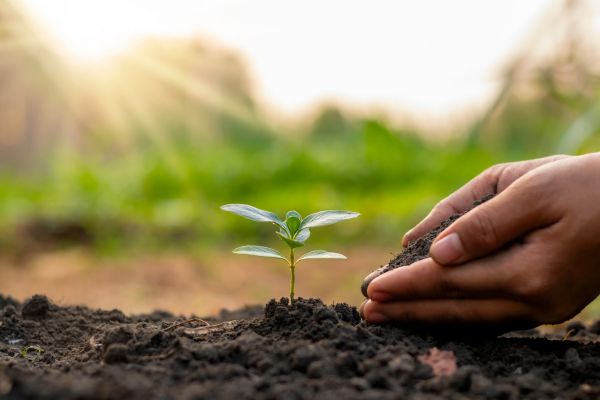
(92, 31)
(301, 53)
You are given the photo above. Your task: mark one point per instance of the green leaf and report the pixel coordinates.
(260, 251)
(303, 235)
(293, 213)
(253, 213)
(321, 254)
(327, 217)
(290, 242)
(284, 232)
(293, 223)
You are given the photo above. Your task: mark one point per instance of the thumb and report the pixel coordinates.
(486, 228)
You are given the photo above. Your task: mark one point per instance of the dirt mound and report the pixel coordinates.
(303, 351)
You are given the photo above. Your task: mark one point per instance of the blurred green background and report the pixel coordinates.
(133, 158)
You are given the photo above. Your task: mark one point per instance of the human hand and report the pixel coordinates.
(491, 181)
(530, 255)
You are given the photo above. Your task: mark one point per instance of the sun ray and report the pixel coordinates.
(199, 89)
(152, 129)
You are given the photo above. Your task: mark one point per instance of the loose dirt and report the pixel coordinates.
(303, 351)
(418, 249)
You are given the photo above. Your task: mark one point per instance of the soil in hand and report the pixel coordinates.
(303, 351)
(416, 250)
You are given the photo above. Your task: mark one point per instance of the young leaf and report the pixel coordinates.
(293, 213)
(253, 213)
(260, 251)
(321, 254)
(303, 235)
(290, 242)
(284, 232)
(293, 223)
(327, 217)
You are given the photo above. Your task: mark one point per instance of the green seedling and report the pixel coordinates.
(294, 231)
(27, 349)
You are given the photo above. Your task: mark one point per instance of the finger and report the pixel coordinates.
(426, 279)
(361, 309)
(455, 312)
(492, 181)
(369, 278)
(523, 207)
(457, 203)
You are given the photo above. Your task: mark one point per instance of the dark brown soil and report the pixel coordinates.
(416, 250)
(304, 351)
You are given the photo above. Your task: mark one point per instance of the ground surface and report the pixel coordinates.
(302, 351)
(182, 283)
(185, 284)
(305, 351)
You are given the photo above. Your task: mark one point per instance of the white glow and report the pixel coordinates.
(425, 57)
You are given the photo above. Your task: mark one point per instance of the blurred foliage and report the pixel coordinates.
(392, 177)
(141, 154)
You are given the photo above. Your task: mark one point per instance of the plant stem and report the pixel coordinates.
(293, 275)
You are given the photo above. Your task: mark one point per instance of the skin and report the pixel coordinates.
(529, 256)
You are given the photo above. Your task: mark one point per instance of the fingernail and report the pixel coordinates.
(369, 278)
(361, 309)
(447, 250)
(376, 317)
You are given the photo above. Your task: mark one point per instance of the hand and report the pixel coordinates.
(530, 255)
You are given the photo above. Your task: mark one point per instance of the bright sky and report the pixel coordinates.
(431, 58)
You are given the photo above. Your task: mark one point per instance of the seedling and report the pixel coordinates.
(27, 349)
(294, 231)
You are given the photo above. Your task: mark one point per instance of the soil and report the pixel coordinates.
(418, 249)
(303, 351)
(307, 350)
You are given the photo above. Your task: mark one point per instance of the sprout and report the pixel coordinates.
(294, 231)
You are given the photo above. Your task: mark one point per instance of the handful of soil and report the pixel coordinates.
(417, 249)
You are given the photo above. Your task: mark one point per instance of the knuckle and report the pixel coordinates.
(504, 177)
(489, 172)
(493, 173)
(536, 184)
(441, 207)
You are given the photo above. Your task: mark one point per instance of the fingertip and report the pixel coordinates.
(372, 314)
(377, 292)
(369, 278)
(407, 238)
(447, 250)
(361, 309)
